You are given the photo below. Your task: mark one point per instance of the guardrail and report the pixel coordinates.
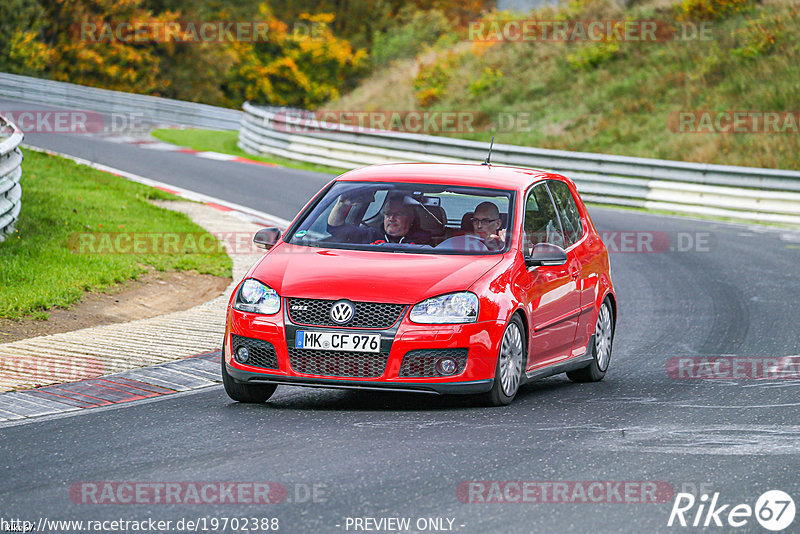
(10, 175)
(745, 193)
(153, 109)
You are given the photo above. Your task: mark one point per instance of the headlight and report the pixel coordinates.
(255, 297)
(452, 308)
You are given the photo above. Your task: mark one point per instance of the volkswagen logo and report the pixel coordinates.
(342, 311)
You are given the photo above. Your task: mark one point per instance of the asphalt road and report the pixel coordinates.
(386, 455)
(277, 191)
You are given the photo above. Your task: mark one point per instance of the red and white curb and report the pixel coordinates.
(206, 154)
(196, 372)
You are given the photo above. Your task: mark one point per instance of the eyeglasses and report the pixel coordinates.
(482, 222)
(396, 214)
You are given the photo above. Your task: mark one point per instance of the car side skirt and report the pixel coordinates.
(571, 364)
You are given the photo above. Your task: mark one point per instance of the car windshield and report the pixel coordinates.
(403, 217)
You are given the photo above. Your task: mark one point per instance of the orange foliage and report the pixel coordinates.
(302, 68)
(90, 58)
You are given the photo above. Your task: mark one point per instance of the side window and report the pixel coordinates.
(541, 222)
(568, 210)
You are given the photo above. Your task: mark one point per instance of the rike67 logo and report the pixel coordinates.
(774, 510)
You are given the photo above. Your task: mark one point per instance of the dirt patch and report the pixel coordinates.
(154, 293)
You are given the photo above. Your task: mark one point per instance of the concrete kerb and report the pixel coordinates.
(80, 366)
(101, 350)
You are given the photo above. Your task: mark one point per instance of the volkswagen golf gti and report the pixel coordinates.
(425, 278)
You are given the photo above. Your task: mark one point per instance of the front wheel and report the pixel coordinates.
(251, 393)
(510, 365)
(601, 348)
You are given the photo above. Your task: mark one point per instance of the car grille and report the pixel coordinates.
(262, 353)
(338, 363)
(367, 314)
(422, 363)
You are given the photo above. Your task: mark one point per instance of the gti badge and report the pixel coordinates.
(342, 311)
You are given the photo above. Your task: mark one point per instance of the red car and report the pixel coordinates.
(434, 278)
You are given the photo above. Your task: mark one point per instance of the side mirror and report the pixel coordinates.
(267, 237)
(546, 254)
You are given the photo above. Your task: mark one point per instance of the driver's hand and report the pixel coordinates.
(499, 236)
(496, 241)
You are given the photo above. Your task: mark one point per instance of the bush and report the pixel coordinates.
(432, 79)
(711, 9)
(489, 80)
(416, 30)
(758, 38)
(590, 55)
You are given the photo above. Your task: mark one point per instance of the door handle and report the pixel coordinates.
(575, 274)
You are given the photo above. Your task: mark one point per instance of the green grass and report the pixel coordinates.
(225, 142)
(61, 200)
(627, 102)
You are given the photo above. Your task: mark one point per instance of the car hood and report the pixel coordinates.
(398, 278)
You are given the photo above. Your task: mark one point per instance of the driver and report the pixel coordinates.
(397, 220)
(486, 222)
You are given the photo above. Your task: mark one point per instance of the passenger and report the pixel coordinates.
(486, 222)
(397, 221)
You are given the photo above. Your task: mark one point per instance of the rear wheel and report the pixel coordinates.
(510, 365)
(245, 392)
(601, 348)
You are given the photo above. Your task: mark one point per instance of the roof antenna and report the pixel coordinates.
(489, 157)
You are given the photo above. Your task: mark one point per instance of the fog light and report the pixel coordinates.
(446, 366)
(242, 355)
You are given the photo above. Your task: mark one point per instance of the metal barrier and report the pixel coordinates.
(152, 109)
(10, 174)
(745, 193)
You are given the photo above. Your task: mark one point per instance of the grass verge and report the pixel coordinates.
(225, 142)
(41, 265)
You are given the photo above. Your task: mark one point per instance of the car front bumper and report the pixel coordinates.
(440, 388)
(478, 340)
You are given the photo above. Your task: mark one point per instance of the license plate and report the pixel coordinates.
(338, 341)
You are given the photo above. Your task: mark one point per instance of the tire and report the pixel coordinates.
(601, 348)
(251, 393)
(510, 365)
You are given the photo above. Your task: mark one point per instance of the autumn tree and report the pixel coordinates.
(84, 53)
(21, 48)
(302, 66)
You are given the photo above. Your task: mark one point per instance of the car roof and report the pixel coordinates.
(464, 174)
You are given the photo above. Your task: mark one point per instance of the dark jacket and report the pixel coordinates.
(349, 233)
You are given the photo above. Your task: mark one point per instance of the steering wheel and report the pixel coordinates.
(466, 242)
